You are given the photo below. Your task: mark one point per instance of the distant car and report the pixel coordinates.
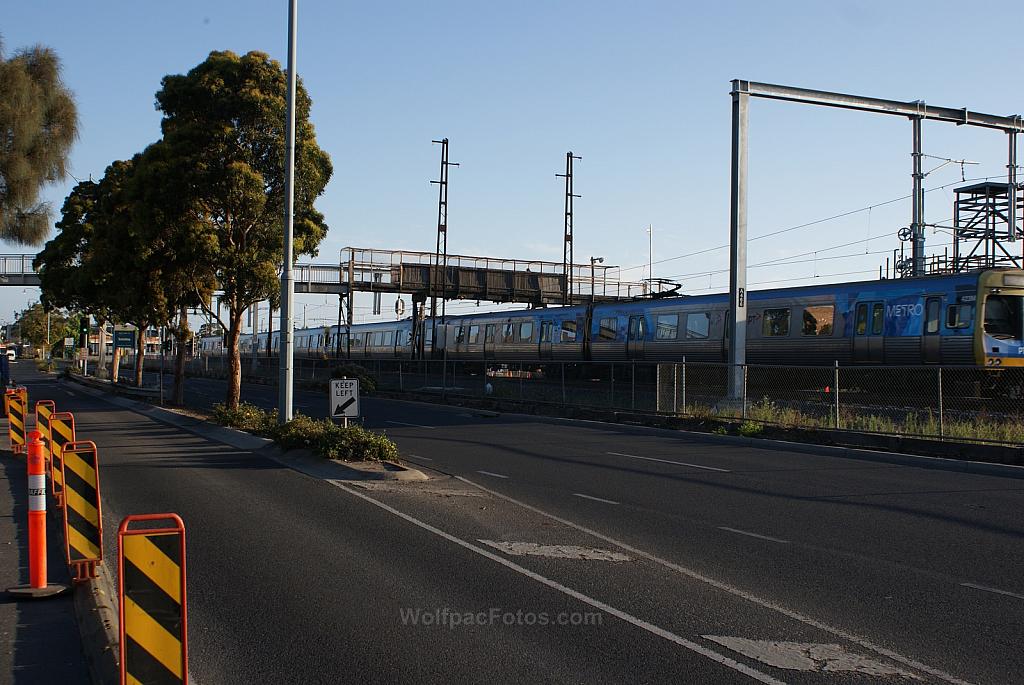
(11, 354)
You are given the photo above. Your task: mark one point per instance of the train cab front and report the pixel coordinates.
(1000, 338)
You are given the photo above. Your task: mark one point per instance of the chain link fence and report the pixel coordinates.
(957, 403)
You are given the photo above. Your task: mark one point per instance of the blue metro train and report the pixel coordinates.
(959, 319)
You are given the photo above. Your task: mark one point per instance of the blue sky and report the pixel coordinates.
(640, 90)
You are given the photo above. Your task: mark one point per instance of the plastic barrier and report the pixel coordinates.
(37, 587)
(62, 431)
(8, 393)
(16, 423)
(44, 409)
(151, 590)
(83, 517)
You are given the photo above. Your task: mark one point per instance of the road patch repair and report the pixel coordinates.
(807, 656)
(517, 549)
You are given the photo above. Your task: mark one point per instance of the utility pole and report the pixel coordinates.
(284, 399)
(441, 253)
(650, 255)
(567, 260)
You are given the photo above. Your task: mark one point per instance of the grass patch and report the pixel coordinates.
(322, 436)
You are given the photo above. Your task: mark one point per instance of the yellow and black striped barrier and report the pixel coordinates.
(151, 589)
(44, 409)
(62, 431)
(16, 423)
(83, 517)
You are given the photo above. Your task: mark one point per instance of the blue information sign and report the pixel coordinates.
(124, 339)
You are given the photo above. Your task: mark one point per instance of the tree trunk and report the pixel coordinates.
(114, 365)
(101, 362)
(234, 361)
(183, 336)
(140, 355)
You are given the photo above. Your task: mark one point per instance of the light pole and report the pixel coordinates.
(593, 261)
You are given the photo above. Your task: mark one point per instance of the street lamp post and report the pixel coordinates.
(593, 260)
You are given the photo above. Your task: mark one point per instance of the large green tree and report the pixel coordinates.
(38, 326)
(38, 123)
(225, 123)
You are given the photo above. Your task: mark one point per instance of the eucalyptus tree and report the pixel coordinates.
(225, 122)
(38, 124)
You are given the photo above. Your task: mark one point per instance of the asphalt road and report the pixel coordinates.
(684, 559)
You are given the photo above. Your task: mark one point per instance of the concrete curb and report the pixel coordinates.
(96, 610)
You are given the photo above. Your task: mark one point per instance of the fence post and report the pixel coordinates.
(632, 396)
(401, 384)
(563, 382)
(611, 399)
(835, 390)
(942, 423)
(684, 385)
(744, 414)
(521, 381)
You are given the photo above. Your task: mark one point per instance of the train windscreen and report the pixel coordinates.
(1004, 316)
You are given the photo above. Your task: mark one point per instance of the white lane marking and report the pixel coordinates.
(669, 461)
(753, 535)
(491, 473)
(412, 425)
(70, 393)
(596, 499)
(985, 588)
(808, 656)
(518, 549)
(735, 591)
(418, 456)
(575, 594)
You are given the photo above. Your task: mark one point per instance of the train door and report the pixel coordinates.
(635, 337)
(931, 345)
(546, 333)
(489, 342)
(868, 332)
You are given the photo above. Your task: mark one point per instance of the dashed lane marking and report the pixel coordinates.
(591, 497)
(575, 594)
(412, 425)
(669, 461)
(492, 474)
(753, 535)
(533, 549)
(735, 591)
(418, 456)
(985, 588)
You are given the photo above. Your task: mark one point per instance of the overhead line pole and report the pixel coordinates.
(567, 256)
(284, 399)
(441, 254)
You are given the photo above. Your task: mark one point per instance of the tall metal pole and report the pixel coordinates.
(567, 256)
(284, 400)
(917, 213)
(441, 253)
(1011, 188)
(738, 241)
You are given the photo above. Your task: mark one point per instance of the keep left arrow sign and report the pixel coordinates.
(340, 409)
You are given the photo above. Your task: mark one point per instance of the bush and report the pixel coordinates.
(367, 383)
(750, 429)
(322, 436)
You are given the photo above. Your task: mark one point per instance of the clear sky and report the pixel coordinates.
(640, 90)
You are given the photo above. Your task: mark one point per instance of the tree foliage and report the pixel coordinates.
(34, 325)
(38, 124)
(224, 132)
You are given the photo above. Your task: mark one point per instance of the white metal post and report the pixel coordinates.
(737, 322)
(284, 401)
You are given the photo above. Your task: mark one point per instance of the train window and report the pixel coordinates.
(508, 332)
(1003, 316)
(526, 331)
(357, 340)
(775, 323)
(545, 331)
(607, 330)
(877, 318)
(489, 333)
(818, 320)
(474, 335)
(460, 335)
(636, 328)
(389, 338)
(666, 326)
(568, 331)
(932, 313)
(862, 319)
(959, 315)
(698, 325)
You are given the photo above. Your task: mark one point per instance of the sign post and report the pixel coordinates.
(344, 399)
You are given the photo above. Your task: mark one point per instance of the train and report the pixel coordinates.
(964, 319)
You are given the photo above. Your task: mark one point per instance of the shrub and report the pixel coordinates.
(367, 383)
(247, 417)
(750, 429)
